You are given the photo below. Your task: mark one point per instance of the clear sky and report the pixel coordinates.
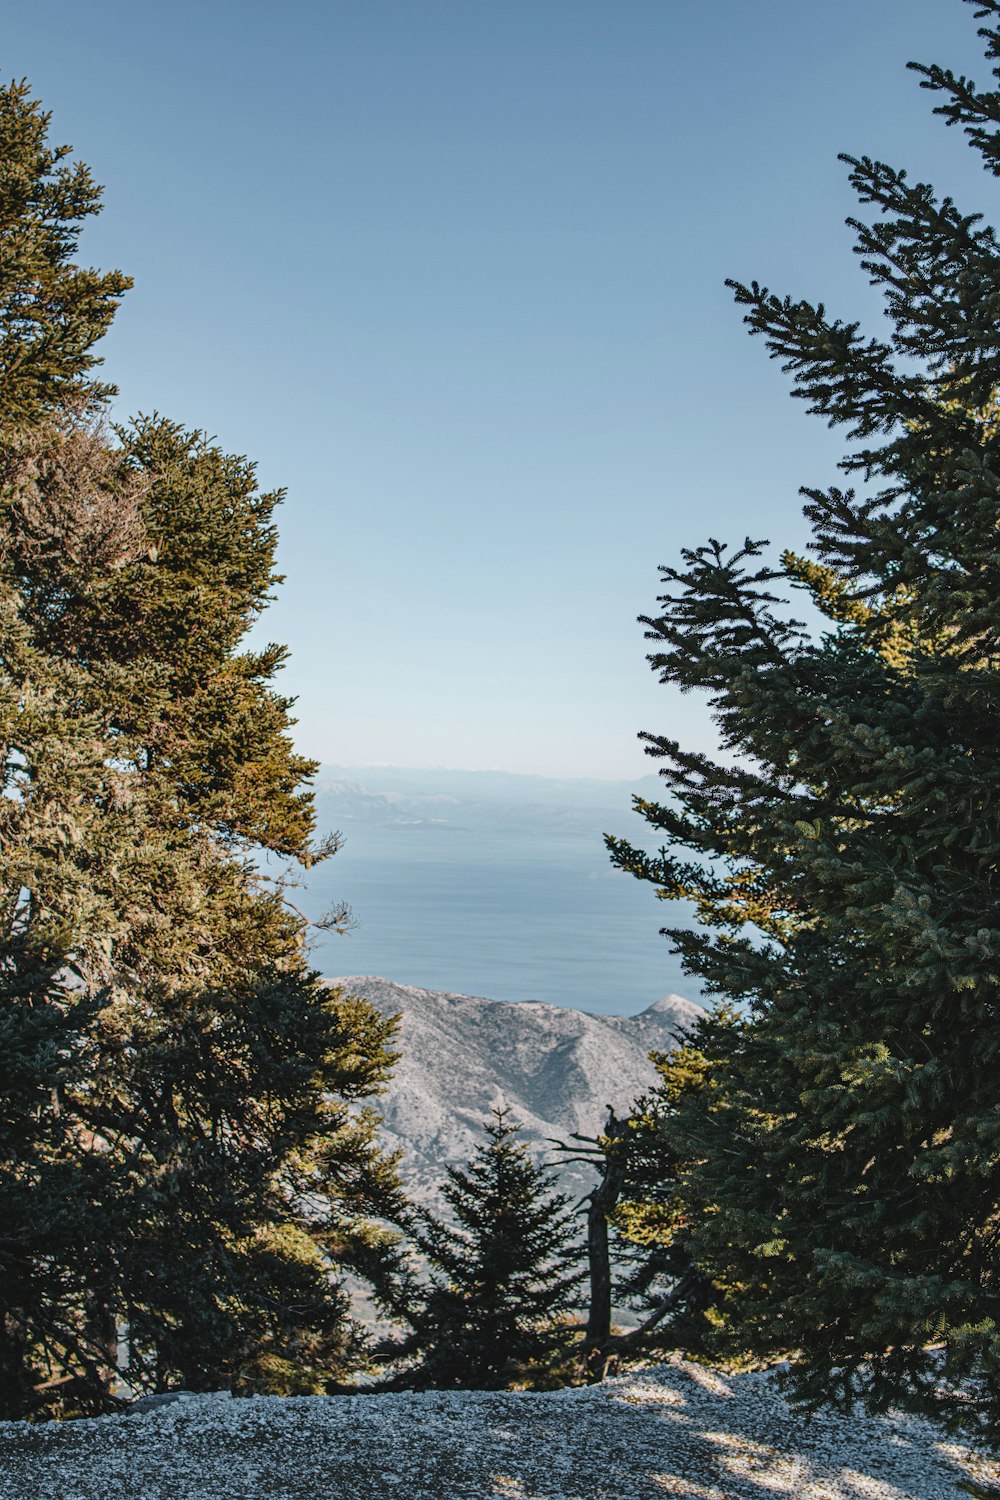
(452, 271)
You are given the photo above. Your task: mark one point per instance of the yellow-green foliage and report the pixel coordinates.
(184, 1153)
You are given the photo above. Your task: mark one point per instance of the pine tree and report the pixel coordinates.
(501, 1280)
(185, 1157)
(841, 1177)
(658, 1276)
(52, 311)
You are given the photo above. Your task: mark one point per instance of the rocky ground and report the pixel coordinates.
(679, 1430)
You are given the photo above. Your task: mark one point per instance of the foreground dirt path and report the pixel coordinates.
(678, 1430)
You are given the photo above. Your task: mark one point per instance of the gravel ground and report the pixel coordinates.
(678, 1430)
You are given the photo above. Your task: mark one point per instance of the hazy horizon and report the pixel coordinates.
(491, 883)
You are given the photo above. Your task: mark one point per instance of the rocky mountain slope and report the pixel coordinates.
(556, 1069)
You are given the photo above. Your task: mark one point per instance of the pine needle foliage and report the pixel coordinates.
(841, 1176)
(52, 311)
(657, 1274)
(185, 1151)
(502, 1276)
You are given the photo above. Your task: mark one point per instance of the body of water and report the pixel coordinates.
(508, 896)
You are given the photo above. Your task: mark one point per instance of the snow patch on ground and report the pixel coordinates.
(678, 1430)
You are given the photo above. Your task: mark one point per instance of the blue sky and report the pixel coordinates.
(453, 274)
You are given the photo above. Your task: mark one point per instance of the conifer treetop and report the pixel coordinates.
(52, 311)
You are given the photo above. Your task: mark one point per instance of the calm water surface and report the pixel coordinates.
(519, 913)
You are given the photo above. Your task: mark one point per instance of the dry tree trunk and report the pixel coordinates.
(600, 1205)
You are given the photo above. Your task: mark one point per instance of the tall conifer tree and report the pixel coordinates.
(184, 1155)
(501, 1276)
(841, 1175)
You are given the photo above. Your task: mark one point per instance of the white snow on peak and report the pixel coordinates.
(671, 1003)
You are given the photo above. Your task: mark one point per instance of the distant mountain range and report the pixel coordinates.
(557, 1070)
(484, 803)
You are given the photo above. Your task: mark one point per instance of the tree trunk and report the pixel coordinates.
(601, 1204)
(102, 1344)
(14, 1381)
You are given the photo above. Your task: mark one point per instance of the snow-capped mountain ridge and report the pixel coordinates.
(556, 1069)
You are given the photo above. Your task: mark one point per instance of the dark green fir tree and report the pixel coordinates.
(502, 1277)
(185, 1154)
(840, 1178)
(655, 1269)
